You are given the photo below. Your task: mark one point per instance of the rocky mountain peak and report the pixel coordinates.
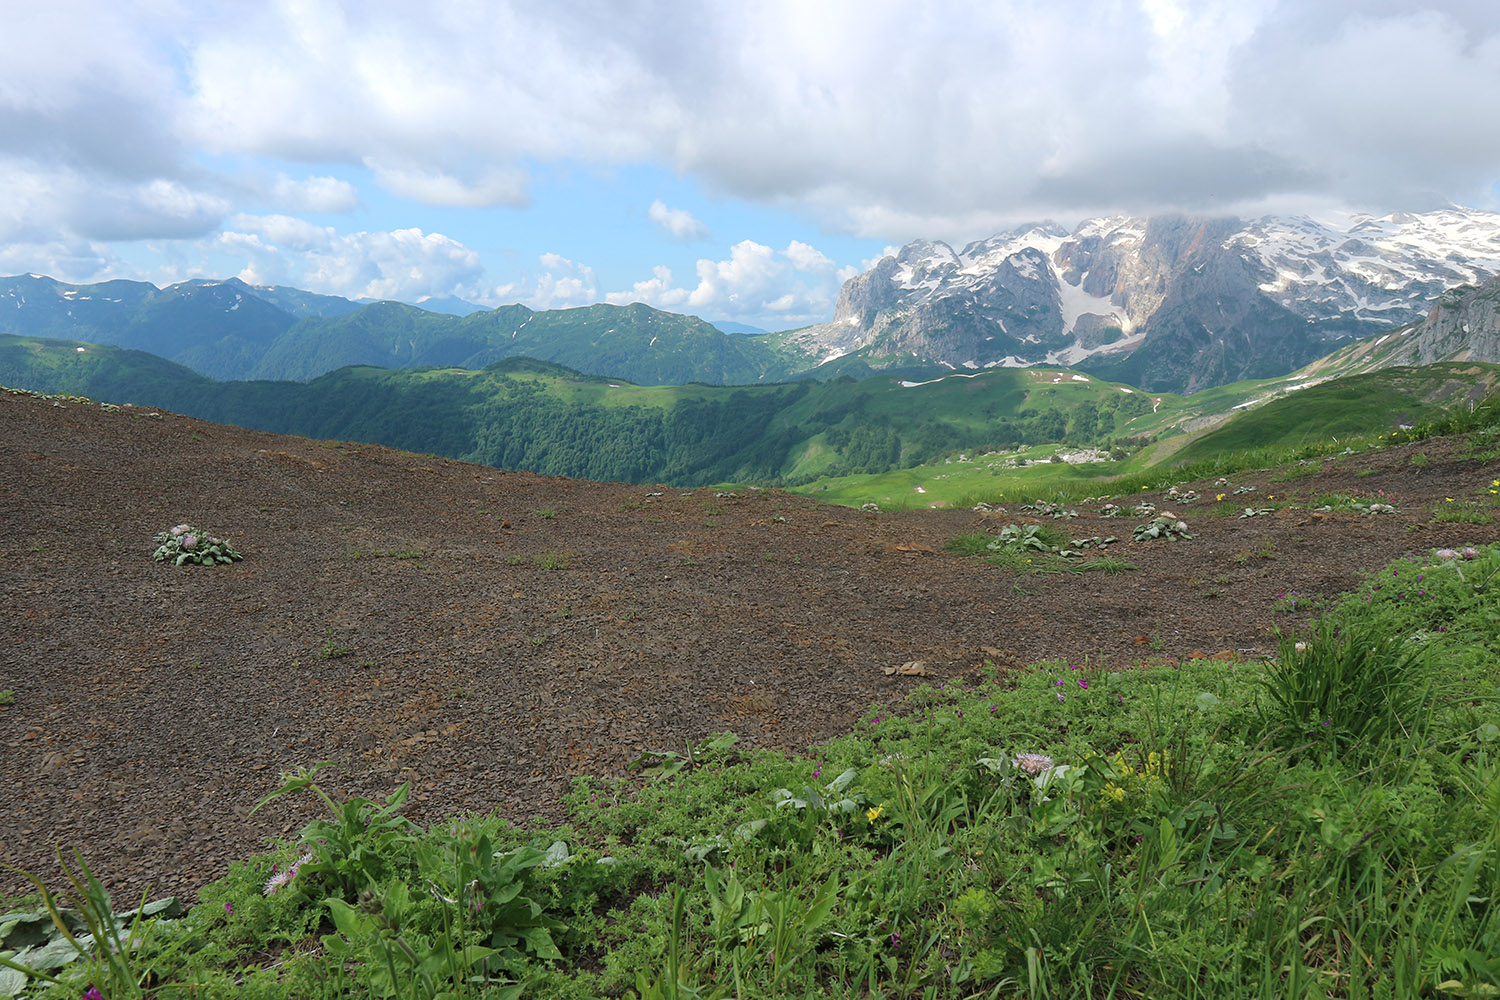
(1154, 299)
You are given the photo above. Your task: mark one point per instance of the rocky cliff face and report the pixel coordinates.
(1170, 303)
(1464, 325)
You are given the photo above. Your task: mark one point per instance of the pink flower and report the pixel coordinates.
(190, 541)
(1032, 763)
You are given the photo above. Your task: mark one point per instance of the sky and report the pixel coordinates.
(733, 160)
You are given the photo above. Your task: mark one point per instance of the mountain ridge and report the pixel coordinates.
(1169, 303)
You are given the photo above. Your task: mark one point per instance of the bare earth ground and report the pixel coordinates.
(550, 628)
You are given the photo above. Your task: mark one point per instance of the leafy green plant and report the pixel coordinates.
(333, 650)
(1026, 538)
(352, 850)
(7, 697)
(184, 543)
(1162, 526)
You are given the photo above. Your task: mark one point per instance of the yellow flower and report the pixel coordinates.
(1114, 792)
(873, 814)
(1449, 499)
(1219, 496)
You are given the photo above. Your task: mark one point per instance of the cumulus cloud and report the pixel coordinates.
(756, 283)
(562, 283)
(405, 264)
(677, 222)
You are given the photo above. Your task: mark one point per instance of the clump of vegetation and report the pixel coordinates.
(184, 543)
(1162, 526)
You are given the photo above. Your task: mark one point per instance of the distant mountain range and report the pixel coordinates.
(1167, 303)
(1170, 304)
(232, 330)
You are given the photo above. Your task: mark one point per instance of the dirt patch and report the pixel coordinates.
(489, 635)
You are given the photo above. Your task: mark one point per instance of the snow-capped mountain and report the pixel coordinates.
(1170, 303)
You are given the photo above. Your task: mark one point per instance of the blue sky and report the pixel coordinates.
(737, 161)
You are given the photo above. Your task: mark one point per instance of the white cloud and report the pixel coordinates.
(492, 187)
(285, 231)
(562, 283)
(877, 117)
(808, 258)
(1017, 111)
(314, 194)
(677, 222)
(755, 284)
(405, 264)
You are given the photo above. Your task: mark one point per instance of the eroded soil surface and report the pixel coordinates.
(488, 635)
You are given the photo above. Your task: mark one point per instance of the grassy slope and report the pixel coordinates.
(696, 434)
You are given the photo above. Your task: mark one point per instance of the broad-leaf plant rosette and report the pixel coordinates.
(184, 543)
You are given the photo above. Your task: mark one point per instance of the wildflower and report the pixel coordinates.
(1060, 698)
(992, 708)
(895, 941)
(229, 909)
(277, 882)
(873, 814)
(190, 541)
(92, 994)
(817, 772)
(1113, 792)
(1218, 496)
(1469, 552)
(1032, 763)
(1083, 683)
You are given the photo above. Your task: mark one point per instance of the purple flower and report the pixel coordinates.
(190, 541)
(895, 941)
(1060, 697)
(92, 994)
(818, 772)
(229, 909)
(992, 708)
(1083, 683)
(1058, 682)
(1469, 552)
